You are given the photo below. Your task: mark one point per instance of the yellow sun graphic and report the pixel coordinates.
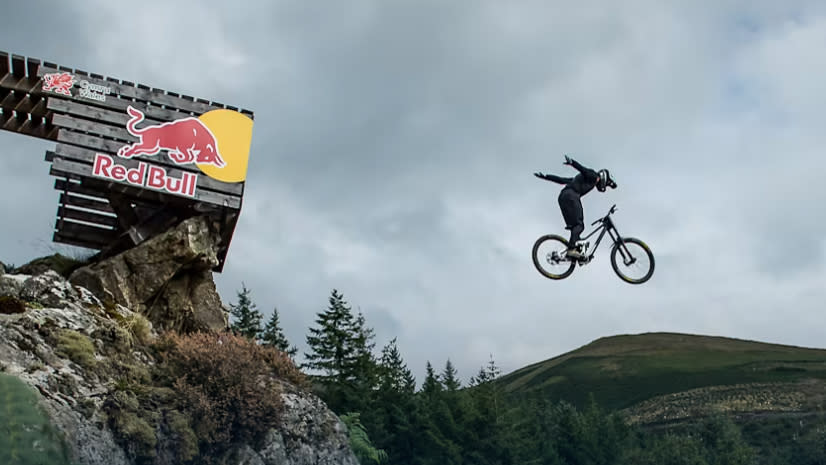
(233, 131)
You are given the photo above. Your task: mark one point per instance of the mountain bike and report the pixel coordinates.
(620, 249)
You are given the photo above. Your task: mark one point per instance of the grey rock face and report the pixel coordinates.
(73, 395)
(166, 278)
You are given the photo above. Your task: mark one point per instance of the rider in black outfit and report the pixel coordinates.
(569, 198)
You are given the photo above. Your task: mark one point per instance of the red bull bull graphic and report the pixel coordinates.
(145, 175)
(186, 140)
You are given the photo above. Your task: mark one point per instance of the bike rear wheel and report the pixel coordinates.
(632, 251)
(557, 246)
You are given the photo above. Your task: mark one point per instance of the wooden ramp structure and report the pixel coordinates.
(109, 202)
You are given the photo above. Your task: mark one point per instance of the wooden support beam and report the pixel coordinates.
(123, 208)
(32, 66)
(18, 66)
(93, 234)
(5, 67)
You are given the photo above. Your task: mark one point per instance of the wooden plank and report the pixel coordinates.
(78, 188)
(118, 118)
(67, 168)
(87, 203)
(88, 156)
(88, 217)
(18, 66)
(120, 105)
(85, 232)
(89, 142)
(105, 130)
(126, 89)
(69, 240)
(101, 190)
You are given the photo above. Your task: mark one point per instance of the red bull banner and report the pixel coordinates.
(216, 142)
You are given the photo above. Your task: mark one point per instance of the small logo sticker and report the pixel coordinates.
(60, 83)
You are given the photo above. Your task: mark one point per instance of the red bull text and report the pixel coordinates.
(145, 175)
(186, 140)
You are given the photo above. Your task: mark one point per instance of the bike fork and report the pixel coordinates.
(623, 250)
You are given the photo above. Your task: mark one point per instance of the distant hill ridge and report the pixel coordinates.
(624, 371)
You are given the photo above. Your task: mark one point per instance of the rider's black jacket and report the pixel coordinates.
(582, 183)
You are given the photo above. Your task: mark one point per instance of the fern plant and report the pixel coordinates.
(26, 435)
(360, 441)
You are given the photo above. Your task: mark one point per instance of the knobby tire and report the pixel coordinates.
(538, 243)
(616, 250)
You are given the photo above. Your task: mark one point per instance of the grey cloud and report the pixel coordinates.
(394, 147)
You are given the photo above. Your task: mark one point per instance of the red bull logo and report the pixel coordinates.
(145, 175)
(217, 143)
(186, 140)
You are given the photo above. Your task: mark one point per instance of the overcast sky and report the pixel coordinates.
(395, 141)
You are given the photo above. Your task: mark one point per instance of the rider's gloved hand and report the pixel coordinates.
(568, 160)
(539, 175)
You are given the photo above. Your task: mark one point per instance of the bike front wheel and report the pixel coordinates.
(554, 256)
(636, 256)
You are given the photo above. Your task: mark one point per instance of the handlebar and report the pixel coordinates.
(612, 210)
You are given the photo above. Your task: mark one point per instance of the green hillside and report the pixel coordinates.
(687, 371)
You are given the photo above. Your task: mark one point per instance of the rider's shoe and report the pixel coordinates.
(575, 254)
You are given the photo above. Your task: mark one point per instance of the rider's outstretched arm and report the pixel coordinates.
(588, 172)
(556, 179)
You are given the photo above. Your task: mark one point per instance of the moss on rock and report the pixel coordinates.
(77, 347)
(59, 263)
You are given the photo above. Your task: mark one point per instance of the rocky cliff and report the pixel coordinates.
(117, 355)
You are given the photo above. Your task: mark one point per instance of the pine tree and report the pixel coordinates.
(394, 375)
(273, 336)
(247, 317)
(395, 426)
(449, 378)
(366, 365)
(335, 352)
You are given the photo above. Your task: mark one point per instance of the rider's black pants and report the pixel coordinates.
(571, 207)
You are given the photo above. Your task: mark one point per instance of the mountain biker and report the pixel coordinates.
(569, 198)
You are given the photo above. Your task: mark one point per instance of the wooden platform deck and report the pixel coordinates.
(85, 115)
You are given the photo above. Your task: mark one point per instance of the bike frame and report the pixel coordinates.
(606, 225)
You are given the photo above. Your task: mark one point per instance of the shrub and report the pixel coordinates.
(227, 385)
(140, 327)
(10, 305)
